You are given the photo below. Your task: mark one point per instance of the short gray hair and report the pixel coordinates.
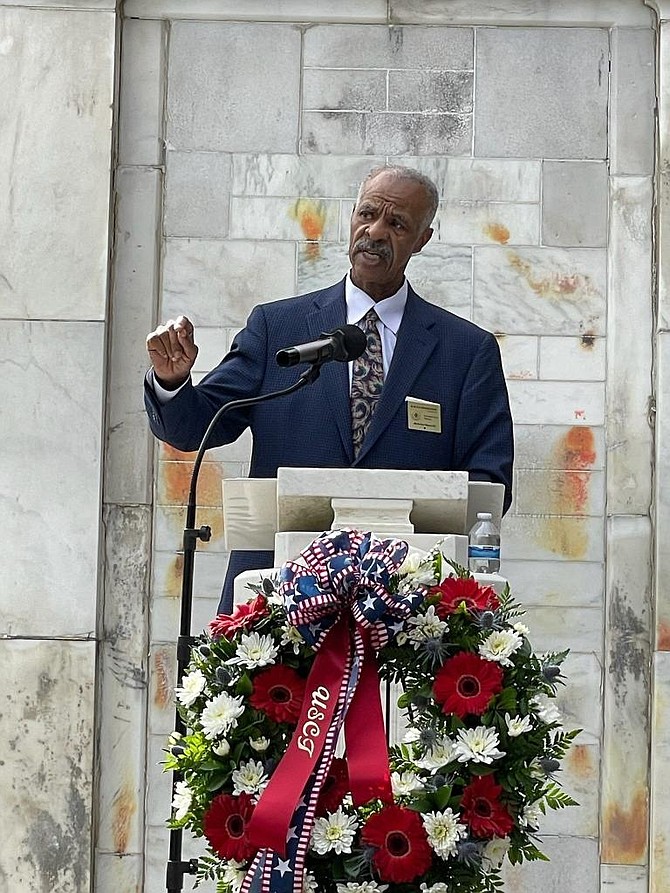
(407, 173)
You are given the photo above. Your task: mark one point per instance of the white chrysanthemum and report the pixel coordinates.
(291, 636)
(494, 853)
(479, 745)
(220, 715)
(221, 748)
(309, 883)
(181, 800)
(439, 887)
(234, 874)
(255, 650)
(403, 783)
(523, 630)
(425, 626)
(517, 725)
(444, 831)
(411, 735)
(362, 887)
(250, 778)
(192, 686)
(546, 708)
(259, 744)
(532, 814)
(499, 645)
(441, 753)
(334, 833)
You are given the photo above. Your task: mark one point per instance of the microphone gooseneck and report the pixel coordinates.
(344, 344)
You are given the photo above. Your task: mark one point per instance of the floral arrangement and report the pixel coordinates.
(471, 778)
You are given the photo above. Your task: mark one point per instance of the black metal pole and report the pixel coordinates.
(176, 867)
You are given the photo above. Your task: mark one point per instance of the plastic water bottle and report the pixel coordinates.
(484, 546)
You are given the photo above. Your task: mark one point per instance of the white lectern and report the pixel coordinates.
(286, 513)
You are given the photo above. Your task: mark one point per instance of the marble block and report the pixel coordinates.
(46, 773)
(55, 149)
(574, 203)
(51, 397)
(197, 194)
(143, 49)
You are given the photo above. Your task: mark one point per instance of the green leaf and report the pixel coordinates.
(244, 685)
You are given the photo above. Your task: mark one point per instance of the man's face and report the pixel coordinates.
(387, 228)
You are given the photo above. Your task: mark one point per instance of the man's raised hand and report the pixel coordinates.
(172, 352)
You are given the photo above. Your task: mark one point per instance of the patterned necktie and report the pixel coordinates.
(367, 380)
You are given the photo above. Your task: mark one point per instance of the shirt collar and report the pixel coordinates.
(390, 310)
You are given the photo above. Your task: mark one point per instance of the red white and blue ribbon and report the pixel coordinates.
(337, 595)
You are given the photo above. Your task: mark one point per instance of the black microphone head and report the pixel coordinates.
(354, 342)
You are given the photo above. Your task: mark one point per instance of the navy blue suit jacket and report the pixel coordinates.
(438, 357)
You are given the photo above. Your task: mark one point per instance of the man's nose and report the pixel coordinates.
(377, 229)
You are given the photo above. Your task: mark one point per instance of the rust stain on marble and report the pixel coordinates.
(580, 760)
(173, 577)
(556, 286)
(587, 341)
(174, 481)
(311, 215)
(170, 454)
(163, 682)
(663, 636)
(124, 807)
(625, 831)
(574, 453)
(497, 232)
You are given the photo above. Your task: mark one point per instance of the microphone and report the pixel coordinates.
(344, 344)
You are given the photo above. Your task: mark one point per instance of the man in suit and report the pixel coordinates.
(354, 415)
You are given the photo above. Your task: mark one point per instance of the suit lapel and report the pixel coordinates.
(329, 313)
(414, 345)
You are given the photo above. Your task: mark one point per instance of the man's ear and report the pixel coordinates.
(423, 239)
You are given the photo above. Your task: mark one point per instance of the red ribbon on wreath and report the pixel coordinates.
(337, 594)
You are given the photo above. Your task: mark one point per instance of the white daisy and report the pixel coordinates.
(412, 561)
(499, 645)
(441, 753)
(309, 883)
(523, 630)
(259, 744)
(192, 686)
(334, 833)
(403, 783)
(220, 715)
(254, 651)
(181, 800)
(480, 745)
(425, 626)
(546, 708)
(517, 725)
(494, 852)
(250, 778)
(439, 887)
(362, 887)
(444, 831)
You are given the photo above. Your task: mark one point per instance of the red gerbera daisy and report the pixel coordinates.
(454, 591)
(278, 692)
(334, 788)
(225, 825)
(402, 851)
(243, 617)
(466, 683)
(482, 810)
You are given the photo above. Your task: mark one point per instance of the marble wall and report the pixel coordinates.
(243, 131)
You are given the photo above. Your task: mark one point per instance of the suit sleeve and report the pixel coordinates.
(484, 443)
(182, 421)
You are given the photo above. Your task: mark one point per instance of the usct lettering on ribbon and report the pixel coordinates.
(315, 715)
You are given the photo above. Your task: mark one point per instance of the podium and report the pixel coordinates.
(284, 514)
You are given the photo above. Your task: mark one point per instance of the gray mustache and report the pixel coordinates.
(374, 248)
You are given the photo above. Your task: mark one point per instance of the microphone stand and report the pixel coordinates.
(176, 867)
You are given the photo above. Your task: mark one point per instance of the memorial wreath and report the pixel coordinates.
(270, 687)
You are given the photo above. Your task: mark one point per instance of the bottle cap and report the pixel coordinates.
(484, 516)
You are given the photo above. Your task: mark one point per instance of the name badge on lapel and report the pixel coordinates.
(423, 415)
